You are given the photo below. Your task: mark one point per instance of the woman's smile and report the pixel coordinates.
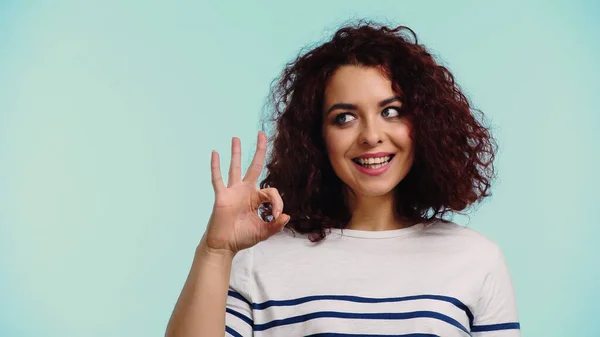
(372, 165)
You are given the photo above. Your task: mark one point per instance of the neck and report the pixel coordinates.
(375, 213)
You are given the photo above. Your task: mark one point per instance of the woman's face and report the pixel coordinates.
(367, 138)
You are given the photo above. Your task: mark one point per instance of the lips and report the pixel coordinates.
(372, 169)
(375, 155)
(373, 160)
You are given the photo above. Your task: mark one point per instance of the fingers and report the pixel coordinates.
(272, 196)
(278, 224)
(215, 169)
(258, 161)
(235, 169)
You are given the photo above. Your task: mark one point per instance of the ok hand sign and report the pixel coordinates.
(234, 223)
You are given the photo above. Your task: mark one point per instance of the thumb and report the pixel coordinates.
(277, 224)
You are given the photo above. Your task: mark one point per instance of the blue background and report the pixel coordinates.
(109, 111)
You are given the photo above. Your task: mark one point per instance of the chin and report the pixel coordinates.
(374, 191)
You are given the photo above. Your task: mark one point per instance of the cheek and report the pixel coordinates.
(337, 148)
(335, 145)
(403, 138)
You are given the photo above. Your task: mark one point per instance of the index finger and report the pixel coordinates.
(257, 164)
(215, 169)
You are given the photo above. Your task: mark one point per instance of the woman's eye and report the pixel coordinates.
(391, 112)
(343, 118)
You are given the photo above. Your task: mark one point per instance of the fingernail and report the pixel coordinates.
(276, 214)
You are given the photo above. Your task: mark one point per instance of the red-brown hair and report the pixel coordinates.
(454, 151)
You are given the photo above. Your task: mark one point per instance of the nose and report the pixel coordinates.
(371, 134)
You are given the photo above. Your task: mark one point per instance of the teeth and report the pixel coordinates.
(371, 161)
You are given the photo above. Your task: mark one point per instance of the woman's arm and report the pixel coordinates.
(234, 226)
(200, 309)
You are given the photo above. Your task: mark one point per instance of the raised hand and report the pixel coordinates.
(234, 223)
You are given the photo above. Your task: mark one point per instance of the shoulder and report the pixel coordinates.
(282, 244)
(461, 239)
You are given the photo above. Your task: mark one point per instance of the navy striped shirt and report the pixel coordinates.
(434, 279)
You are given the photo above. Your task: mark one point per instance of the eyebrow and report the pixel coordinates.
(348, 106)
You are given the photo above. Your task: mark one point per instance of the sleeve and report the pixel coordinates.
(238, 317)
(496, 311)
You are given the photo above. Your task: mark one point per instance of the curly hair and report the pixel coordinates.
(454, 151)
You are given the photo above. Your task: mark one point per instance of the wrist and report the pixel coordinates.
(205, 252)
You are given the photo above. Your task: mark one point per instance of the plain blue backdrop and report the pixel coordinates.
(109, 111)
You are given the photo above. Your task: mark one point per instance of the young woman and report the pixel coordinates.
(374, 145)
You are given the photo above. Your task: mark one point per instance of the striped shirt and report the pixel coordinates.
(431, 279)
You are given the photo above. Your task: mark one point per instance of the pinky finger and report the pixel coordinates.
(215, 169)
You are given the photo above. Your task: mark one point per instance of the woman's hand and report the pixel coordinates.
(234, 223)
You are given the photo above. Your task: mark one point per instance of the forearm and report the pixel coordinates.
(200, 309)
